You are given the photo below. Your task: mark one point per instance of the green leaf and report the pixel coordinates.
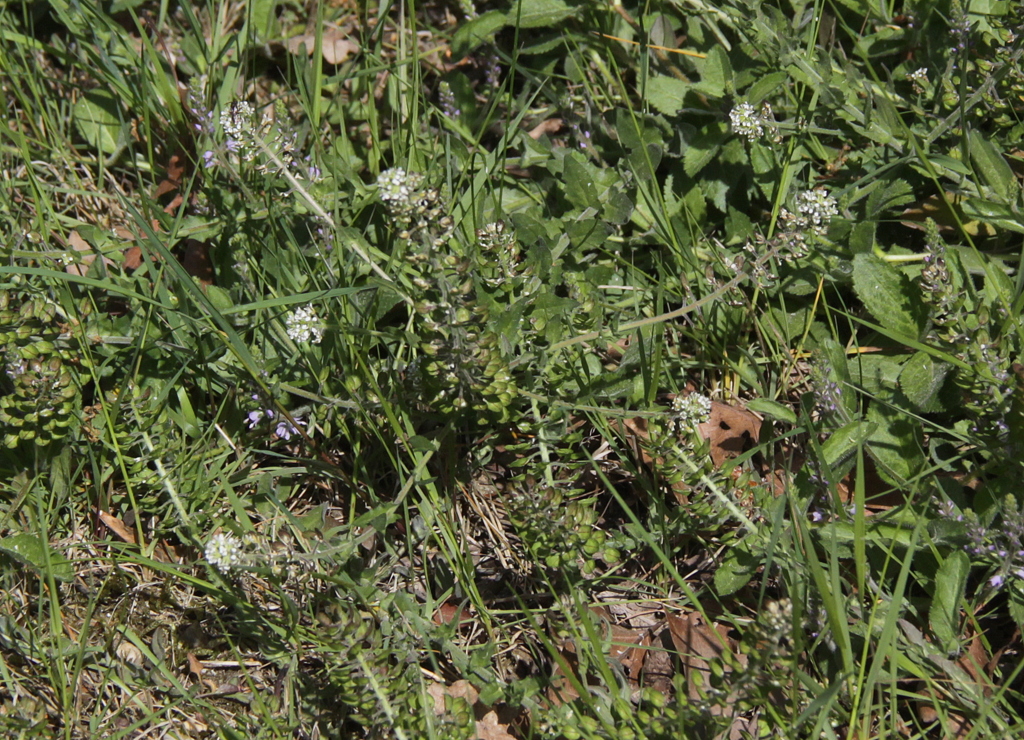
(715, 73)
(991, 166)
(921, 379)
(618, 208)
(950, 586)
(1016, 602)
(1000, 215)
(947, 166)
(841, 445)
(889, 295)
(736, 570)
(785, 326)
(895, 443)
(97, 117)
(262, 19)
(666, 93)
(842, 371)
(773, 409)
(862, 238)
(538, 13)
(843, 536)
(893, 194)
(703, 149)
(767, 85)
(586, 234)
(999, 290)
(30, 550)
(477, 31)
(579, 182)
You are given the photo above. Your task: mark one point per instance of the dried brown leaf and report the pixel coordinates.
(489, 727)
(196, 260)
(561, 688)
(132, 258)
(731, 431)
(86, 255)
(548, 126)
(465, 690)
(656, 667)
(437, 691)
(195, 666)
(175, 173)
(698, 644)
(116, 526)
(336, 45)
(449, 612)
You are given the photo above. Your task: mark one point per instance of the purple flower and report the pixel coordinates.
(255, 417)
(208, 159)
(997, 581)
(285, 430)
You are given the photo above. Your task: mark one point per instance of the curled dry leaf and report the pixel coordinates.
(336, 47)
(195, 666)
(116, 526)
(548, 126)
(562, 689)
(449, 612)
(699, 644)
(129, 653)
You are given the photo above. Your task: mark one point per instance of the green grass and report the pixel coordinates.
(455, 370)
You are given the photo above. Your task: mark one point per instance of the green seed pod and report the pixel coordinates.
(611, 555)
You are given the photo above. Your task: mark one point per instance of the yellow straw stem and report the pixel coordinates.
(653, 46)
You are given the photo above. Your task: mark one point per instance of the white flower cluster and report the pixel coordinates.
(747, 121)
(692, 410)
(817, 207)
(241, 128)
(419, 212)
(919, 79)
(778, 616)
(248, 135)
(396, 186)
(224, 552)
(303, 325)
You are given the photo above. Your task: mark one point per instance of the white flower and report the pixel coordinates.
(237, 120)
(919, 79)
(224, 552)
(746, 121)
(818, 207)
(303, 325)
(692, 410)
(396, 186)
